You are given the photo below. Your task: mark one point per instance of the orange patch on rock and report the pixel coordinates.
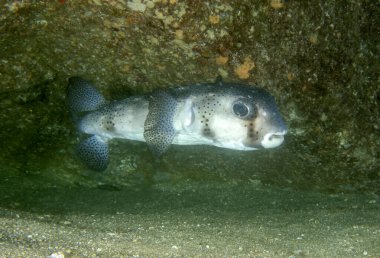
(276, 4)
(221, 60)
(214, 19)
(242, 71)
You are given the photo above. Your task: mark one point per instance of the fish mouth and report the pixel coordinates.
(272, 140)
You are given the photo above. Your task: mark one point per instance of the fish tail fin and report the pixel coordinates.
(93, 151)
(82, 97)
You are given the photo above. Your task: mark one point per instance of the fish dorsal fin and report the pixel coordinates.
(82, 96)
(219, 80)
(159, 130)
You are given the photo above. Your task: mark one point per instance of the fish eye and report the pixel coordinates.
(240, 109)
(244, 108)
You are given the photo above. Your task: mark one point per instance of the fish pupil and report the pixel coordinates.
(240, 109)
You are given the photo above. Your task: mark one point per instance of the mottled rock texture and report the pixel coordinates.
(319, 59)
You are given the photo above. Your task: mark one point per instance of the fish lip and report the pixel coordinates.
(279, 134)
(276, 136)
(273, 139)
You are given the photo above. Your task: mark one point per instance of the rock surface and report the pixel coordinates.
(320, 61)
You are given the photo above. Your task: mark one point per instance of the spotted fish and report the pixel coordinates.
(226, 115)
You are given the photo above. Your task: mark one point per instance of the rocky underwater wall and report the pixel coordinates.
(319, 59)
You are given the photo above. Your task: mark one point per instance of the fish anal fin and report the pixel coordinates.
(93, 151)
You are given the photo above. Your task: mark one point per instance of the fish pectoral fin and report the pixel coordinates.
(93, 151)
(159, 130)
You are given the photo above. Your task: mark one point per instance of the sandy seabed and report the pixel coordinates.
(188, 219)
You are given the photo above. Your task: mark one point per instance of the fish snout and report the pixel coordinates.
(275, 136)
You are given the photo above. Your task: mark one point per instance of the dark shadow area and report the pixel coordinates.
(37, 195)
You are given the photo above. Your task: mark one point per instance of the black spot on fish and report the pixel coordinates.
(251, 132)
(208, 133)
(109, 125)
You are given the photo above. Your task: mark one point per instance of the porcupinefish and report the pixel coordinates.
(226, 115)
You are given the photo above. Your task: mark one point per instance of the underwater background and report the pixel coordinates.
(316, 195)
